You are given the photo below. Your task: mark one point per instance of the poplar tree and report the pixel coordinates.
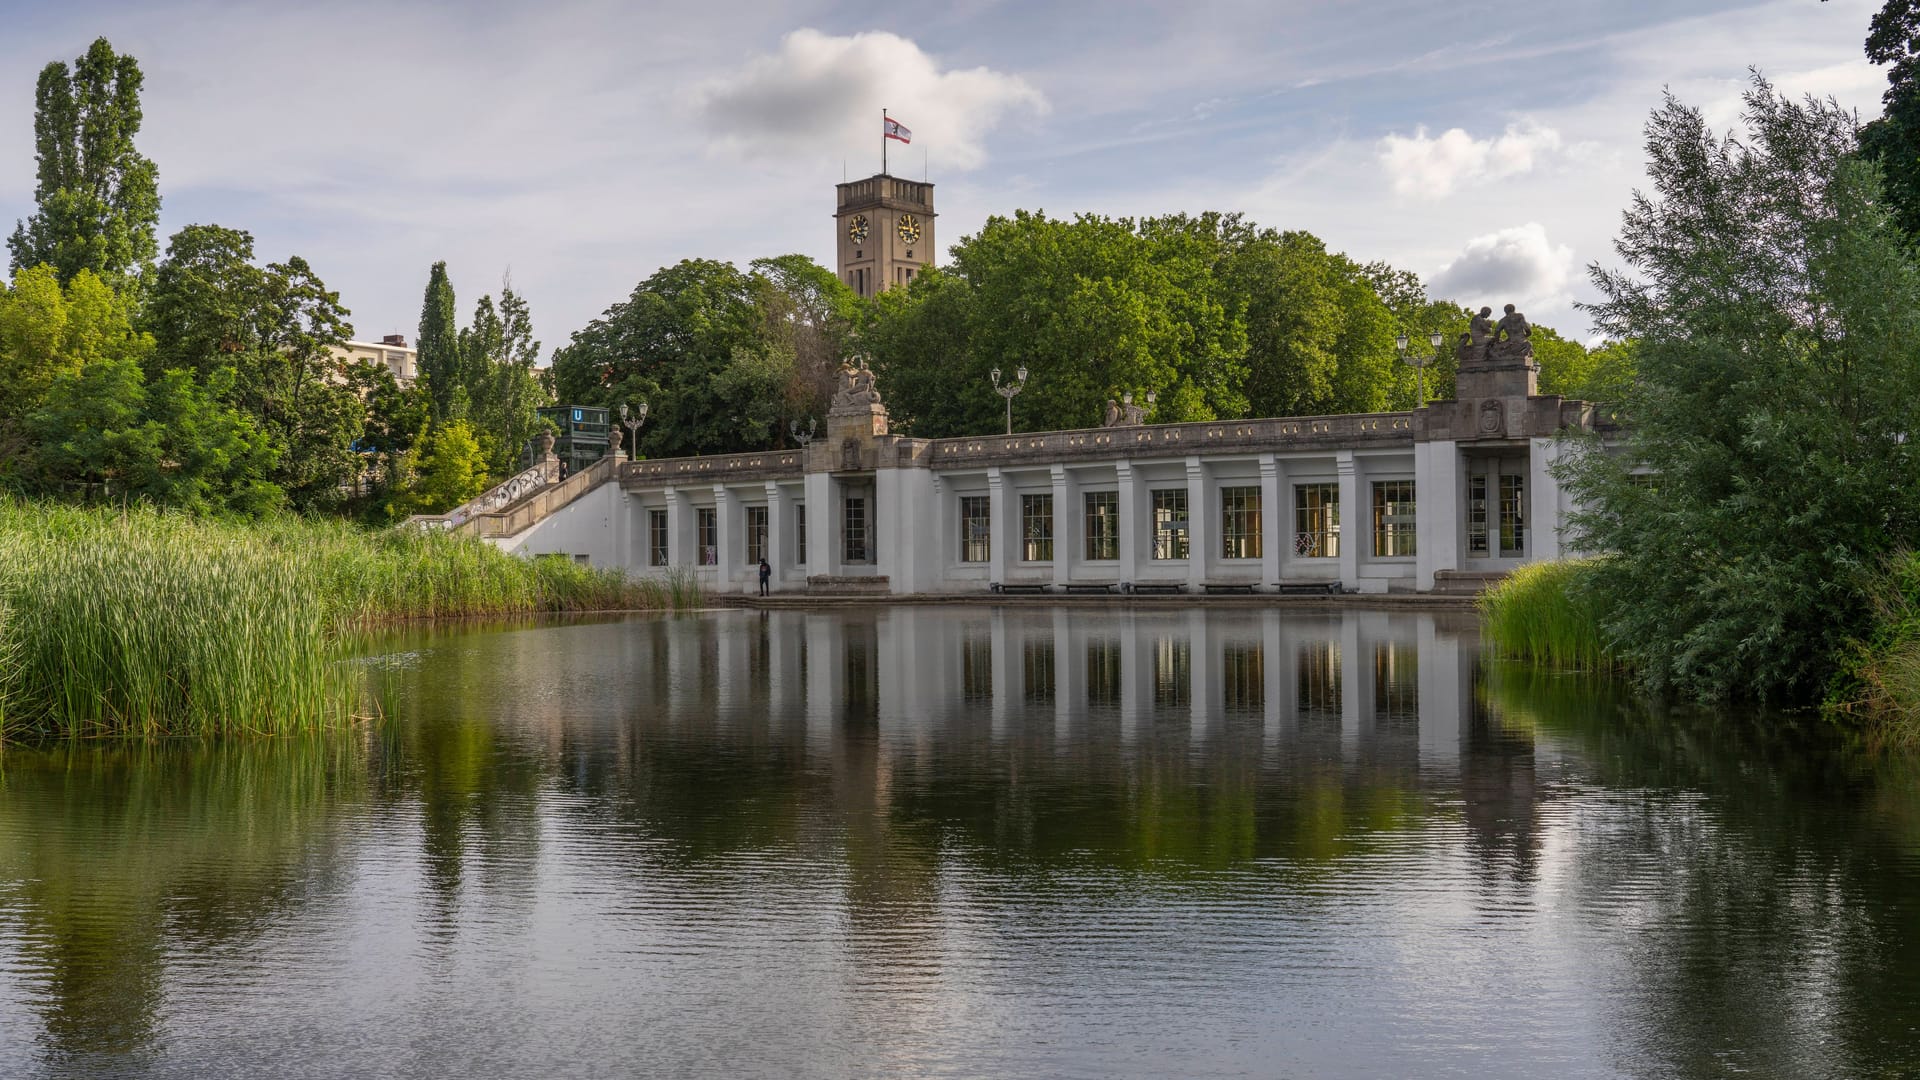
(440, 360)
(98, 199)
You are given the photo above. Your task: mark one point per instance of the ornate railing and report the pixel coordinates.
(1154, 439)
(767, 464)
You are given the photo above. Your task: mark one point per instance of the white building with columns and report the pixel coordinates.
(1446, 496)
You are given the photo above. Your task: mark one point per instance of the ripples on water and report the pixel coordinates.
(952, 842)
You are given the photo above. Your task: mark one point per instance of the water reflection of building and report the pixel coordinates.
(1386, 683)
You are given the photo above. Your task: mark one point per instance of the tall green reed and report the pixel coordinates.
(1549, 613)
(139, 622)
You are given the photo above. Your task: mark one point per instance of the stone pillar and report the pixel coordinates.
(1066, 526)
(1354, 518)
(1440, 503)
(1200, 524)
(1274, 536)
(1543, 499)
(1132, 523)
(822, 558)
(727, 538)
(1000, 527)
(776, 537)
(680, 549)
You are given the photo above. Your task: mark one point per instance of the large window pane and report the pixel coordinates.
(756, 534)
(706, 527)
(1477, 514)
(976, 528)
(656, 538)
(1103, 525)
(1239, 522)
(1513, 515)
(1393, 518)
(1316, 521)
(1036, 528)
(1170, 523)
(853, 530)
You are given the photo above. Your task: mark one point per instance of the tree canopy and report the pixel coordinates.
(97, 199)
(1772, 303)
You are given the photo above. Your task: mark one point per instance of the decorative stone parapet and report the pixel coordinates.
(1394, 429)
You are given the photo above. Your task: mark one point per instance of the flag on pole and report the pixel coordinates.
(897, 130)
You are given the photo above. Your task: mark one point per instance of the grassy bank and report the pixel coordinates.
(142, 623)
(1548, 613)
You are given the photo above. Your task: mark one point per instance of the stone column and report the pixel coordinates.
(1440, 504)
(776, 537)
(1000, 527)
(1274, 536)
(680, 549)
(1355, 529)
(1066, 526)
(1543, 500)
(1200, 541)
(822, 558)
(1132, 523)
(727, 538)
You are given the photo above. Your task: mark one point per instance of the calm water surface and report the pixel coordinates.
(967, 842)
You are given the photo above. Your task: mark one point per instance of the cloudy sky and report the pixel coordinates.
(581, 144)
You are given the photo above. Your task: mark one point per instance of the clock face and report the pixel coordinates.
(909, 228)
(857, 229)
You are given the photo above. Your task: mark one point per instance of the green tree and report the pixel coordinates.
(807, 319)
(451, 469)
(1093, 308)
(215, 313)
(396, 420)
(1774, 310)
(1893, 141)
(97, 200)
(105, 433)
(688, 342)
(439, 356)
(498, 357)
(48, 332)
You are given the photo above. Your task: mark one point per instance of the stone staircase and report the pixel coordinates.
(521, 501)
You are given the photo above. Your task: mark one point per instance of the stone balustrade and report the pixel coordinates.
(758, 465)
(1394, 429)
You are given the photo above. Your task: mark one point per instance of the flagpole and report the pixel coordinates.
(883, 142)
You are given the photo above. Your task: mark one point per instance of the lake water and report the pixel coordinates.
(967, 842)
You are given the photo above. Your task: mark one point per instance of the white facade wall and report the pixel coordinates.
(915, 524)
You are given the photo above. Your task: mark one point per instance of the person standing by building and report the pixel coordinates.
(766, 575)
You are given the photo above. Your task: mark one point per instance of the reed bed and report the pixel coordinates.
(145, 623)
(1549, 613)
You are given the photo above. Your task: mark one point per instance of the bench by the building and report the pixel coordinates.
(1307, 588)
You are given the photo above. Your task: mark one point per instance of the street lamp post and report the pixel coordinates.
(802, 437)
(633, 428)
(1010, 391)
(1419, 361)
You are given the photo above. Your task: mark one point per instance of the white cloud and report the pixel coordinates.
(1431, 167)
(821, 94)
(1516, 265)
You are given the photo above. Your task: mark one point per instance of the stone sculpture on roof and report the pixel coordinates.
(1511, 339)
(857, 390)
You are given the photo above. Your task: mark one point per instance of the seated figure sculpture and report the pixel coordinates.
(1511, 339)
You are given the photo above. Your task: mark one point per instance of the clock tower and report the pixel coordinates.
(885, 227)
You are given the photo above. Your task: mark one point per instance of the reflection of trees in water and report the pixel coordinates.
(128, 859)
(1741, 878)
